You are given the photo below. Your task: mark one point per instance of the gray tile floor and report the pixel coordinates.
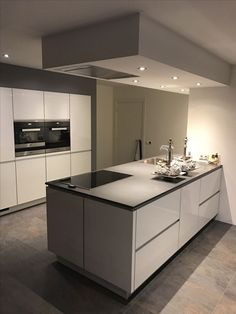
(201, 279)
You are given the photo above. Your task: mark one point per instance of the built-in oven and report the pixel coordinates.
(29, 138)
(57, 135)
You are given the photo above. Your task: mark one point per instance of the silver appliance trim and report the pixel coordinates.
(30, 152)
(31, 130)
(58, 129)
(57, 149)
(26, 145)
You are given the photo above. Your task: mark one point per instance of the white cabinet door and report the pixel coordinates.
(7, 149)
(155, 253)
(31, 178)
(208, 210)
(156, 217)
(7, 185)
(28, 104)
(58, 166)
(210, 184)
(56, 106)
(80, 163)
(189, 212)
(80, 117)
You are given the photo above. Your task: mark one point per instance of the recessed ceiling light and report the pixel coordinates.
(174, 77)
(5, 55)
(135, 81)
(198, 84)
(163, 86)
(182, 90)
(142, 68)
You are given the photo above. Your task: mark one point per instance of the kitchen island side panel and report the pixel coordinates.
(65, 225)
(109, 243)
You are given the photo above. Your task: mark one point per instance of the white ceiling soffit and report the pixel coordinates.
(131, 36)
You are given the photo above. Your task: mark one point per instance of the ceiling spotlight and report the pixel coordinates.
(174, 77)
(182, 90)
(162, 86)
(142, 68)
(198, 84)
(135, 81)
(5, 55)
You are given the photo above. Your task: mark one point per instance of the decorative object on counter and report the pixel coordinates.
(176, 167)
(169, 151)
(214, 159)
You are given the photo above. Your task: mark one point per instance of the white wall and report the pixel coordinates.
(212, 128)
(104, 126)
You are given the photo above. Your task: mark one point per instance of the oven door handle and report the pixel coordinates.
(31, 130)
(58, 129)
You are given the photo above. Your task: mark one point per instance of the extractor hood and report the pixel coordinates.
(96, 72)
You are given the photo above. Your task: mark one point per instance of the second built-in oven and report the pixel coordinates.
(57, 135)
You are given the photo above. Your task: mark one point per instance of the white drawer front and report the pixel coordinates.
(157, 216)
(210, 184)
(208, 210)
(156, 253)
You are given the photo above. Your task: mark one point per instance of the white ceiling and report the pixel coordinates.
(209, 23)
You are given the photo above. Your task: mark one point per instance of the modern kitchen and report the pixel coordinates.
(117, 170)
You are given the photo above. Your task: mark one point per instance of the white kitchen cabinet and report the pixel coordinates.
(7, 148)
(8, 195)
(156, 217)
(210, 184)
(189, 212)
(150, 257)
(28, 104)
(31, 178)
(56, 106)
(208, 210)
(80, 118)
(58, 166)
(80, 163)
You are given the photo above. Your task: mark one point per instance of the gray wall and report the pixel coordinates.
(165, 116)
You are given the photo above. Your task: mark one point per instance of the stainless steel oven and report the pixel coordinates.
(57, 135)
(29, 138)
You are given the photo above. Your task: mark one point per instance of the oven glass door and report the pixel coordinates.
(29, 138)
(57, 135)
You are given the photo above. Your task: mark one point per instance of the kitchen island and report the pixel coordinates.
(119, 233)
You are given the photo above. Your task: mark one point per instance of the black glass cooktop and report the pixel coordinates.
(94, 179)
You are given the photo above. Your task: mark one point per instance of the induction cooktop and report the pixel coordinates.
(94, 179)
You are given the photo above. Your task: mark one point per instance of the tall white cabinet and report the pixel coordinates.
(80, 119)
(7, 149)
(23, 179)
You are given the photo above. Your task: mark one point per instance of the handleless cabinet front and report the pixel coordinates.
(189, 212)
(210, 184)
(7, 149)
(28, 104)
(57, 166)
(8, 196)
(31, 178)
(80, 163)
(80, 117)
(56, 106)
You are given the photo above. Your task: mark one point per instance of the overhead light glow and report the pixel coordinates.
(6, 55)
(198, 84)
(182, 90)
(135, 81)
(174, 77)
(142, 68)
(163, 86)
